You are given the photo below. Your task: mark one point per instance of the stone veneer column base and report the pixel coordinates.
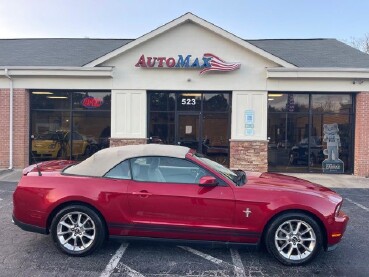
(123, 141)
(249, 155)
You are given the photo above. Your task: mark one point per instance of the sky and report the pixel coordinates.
(248, 19)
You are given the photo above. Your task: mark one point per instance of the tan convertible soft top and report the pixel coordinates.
(101, 162)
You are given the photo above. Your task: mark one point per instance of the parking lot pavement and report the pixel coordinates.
(27, 254)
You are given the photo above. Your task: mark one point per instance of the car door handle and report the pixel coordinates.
(142, 193)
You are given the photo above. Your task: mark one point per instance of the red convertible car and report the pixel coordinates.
(171, 192)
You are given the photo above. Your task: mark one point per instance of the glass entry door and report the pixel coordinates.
(188, 131)
(195, 119)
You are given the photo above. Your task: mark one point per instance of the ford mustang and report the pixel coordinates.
(171, 192)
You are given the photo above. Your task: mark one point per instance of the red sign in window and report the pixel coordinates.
(92, 102)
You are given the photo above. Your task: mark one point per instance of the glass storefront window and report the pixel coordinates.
(91, 132)
(345, 150)
(48, 135)
(288, 146)
(283, 102)
(162, 101)
(298, 138)
(216, 102)
(94, 100)
(215, 140)
(332, 103)
(161, 127)
(67, 129)
(51, 99)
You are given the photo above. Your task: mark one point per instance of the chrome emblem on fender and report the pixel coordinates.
(247, 212)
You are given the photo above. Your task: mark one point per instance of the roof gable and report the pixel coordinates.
(194, 19)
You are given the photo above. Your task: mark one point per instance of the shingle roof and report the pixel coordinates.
(78, 52)
(55, 51)
(314, 52)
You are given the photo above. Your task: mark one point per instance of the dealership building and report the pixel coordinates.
(278, 105)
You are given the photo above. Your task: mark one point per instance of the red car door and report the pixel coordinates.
(165, 200)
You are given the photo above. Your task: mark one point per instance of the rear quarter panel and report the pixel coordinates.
(37, 196)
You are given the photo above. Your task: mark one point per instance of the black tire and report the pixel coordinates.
(81, 230)
(305, 244)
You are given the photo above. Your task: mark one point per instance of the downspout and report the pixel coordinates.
(10, 120)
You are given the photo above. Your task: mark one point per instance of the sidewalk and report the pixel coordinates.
(7, 175)
(334, 180)
(327, 180)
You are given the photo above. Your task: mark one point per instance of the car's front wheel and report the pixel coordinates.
(294, 238)
(77, 230)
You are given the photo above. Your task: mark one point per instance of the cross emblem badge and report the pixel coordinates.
(247, 212)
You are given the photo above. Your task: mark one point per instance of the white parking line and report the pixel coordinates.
(114, 260)
(127, 271)
(357, 204)
(239, 269)
(211, 258)
(203, 255)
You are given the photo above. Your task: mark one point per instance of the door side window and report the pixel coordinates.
(166, 170)
(120, 171)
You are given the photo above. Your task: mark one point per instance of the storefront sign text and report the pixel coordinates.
(208, 62)
(92, 102)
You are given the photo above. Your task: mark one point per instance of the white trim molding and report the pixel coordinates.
(105, 72)
(318, 73)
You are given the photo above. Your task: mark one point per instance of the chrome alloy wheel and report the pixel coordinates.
(76, 231)
(295, 240)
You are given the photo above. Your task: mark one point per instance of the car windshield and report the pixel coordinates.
(238, 177)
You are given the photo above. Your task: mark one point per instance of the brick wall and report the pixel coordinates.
(249, 155)
(20, 128)
(121, 142)
(4, 126)
(361, 163)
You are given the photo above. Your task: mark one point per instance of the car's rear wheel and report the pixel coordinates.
(77, 230)
(294, 238)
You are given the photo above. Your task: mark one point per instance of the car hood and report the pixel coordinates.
(42, 143)
(55, 165)
(276, 181)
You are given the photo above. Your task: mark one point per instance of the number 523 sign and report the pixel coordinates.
(188, 101)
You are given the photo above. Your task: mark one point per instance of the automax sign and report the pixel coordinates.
(208, 62)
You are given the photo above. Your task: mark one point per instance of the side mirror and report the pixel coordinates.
(208, 181)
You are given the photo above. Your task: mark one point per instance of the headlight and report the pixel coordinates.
(338, 208)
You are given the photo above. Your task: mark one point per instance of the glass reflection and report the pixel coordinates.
(216, 102)
(283, 102)
(63, 128)
(53, 100)
(295, 133)
(334, 103)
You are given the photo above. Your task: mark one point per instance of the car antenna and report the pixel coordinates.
(34, 160)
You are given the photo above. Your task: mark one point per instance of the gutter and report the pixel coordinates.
(10, 120)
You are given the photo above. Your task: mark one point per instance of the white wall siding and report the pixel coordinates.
(128, 114)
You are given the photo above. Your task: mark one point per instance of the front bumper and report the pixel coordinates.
(336, 230)
(29, 227)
